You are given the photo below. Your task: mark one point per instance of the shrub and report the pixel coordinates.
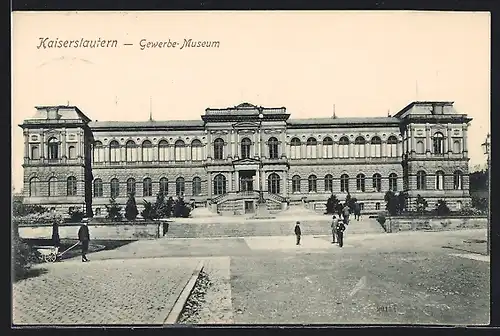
(442, 208)
(76, 215)
(148, 212)
(131, 211)
(480, 203)
(114, 210)
(20, 210)
(22, 255)
(421, 203)
(331, 204)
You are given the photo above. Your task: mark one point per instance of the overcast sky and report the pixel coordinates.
(366, 63)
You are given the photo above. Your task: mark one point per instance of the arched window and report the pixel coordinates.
(313, 185)
(344, 147)
(196, 150)
(245, 148)
(327, 148)
(71, 187)
(130, 151)
(457, 147)
(344, 183)
(147, 187)
(53, 186)
(438, 143)
(272, 145)
(295, 148)
(71, 152)
(196, 186)
(180, 186)
(219, 184)
(273, 183)
(439, 180)
(53, 146)
(114, 151)
(359, 147)
(98, 192)
(180, 151)
(115, 188)
(163, 151)
(147, 151)
(219, 149)
(421, 180)
(295, 184)
(98, 152)
(392, 146)
(360, 182)
(376, 147)
(164, 186)
(329, 183)
(35, 153)
(131, 186)
(34, 187)
(377, 182)
(457, 180)
(311, 148)
(420, 147)
(393, 182)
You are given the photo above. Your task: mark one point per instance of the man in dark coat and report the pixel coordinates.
(298, 232)
(55, 234)
(84, 238)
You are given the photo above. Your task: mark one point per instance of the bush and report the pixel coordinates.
(421, 203)
(442, 208)
(114, 210)
(332, 204)
(148, 212)
(131, 211)
(22, 257)
(76, 215)
(480, 203)
(20, 210)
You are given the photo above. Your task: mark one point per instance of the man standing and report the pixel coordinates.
(346, 212)
(298, 232)
(357, 211)
(84, 238)
(335, 222)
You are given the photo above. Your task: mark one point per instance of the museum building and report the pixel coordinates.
(232, 157)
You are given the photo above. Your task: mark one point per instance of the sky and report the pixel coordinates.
(365, 64)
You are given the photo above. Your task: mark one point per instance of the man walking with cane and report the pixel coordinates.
(84, 238)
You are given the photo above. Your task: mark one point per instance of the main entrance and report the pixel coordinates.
(246, 180)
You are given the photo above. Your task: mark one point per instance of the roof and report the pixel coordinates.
(422, 102)
(145, 124)
(344, 121)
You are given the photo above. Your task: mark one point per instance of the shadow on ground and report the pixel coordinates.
(30, 273)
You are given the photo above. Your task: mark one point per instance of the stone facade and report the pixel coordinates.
(234, 156)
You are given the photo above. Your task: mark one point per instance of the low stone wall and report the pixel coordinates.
(396, 224)
(102, 231)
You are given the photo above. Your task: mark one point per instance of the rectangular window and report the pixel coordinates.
(377, 206)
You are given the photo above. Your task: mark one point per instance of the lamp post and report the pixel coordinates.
(487, 151)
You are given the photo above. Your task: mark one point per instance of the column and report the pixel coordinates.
(233, 149)
(237, 180)
(320, 149)
(230, 182)
(367, 149)
(399, 148)
(263, 180)
(171, 152)
(427, 138)
(256, 185)
(287, 149)
(42, 144)
(335, 148)
(209, 145)
(63, 138)
(464, 137)
(351, 149)
(122, 152)
(413, 144)
(26, 144)
(447, 137)
(450, 139)
(209, 185)
(282, 150)
(155, 153)
(302, 150)
(383, 149)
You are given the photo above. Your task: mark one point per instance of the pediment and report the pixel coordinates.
(246, 161)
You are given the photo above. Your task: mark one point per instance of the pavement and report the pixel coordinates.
(407, 277)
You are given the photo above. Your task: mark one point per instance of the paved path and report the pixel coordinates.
(136, 291)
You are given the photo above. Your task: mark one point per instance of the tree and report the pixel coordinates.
(391, 203)
(76, 214)
(442, 208)
(114, 210)
(148, 211)
(402, 198)
(331, 204)
(131, 211)
(160, 209)
(421, 203)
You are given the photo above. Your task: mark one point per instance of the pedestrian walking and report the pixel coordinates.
(340, 233)
(298, 232)
(84, 238)
(346, 211)
(56, 241)
(335, 222)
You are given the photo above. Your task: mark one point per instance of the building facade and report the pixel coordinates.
(234, 156)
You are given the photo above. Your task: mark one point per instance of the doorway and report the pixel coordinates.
(246, 180)
(249, 208)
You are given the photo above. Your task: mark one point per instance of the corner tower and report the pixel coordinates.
(57, 159)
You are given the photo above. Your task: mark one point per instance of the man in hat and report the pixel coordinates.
(298, 232)
(84, 238)
(335, 222)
